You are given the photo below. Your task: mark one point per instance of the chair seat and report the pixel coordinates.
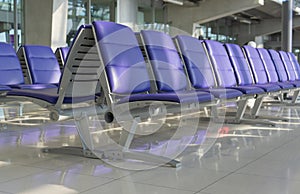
(296, 83)
(33, 86)
(268, 87)
(188, 97)
(249, 89)
(4, 88)
(49, 95)
(223, 93)
(285, 85)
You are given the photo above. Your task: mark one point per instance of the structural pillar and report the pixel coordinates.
(287, 25)
(127, 12)
(45, 22)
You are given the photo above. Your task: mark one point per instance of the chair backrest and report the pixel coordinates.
(256, 64)
(61, 54)
(196, 62)
(64, 52)
(10, 67)
(269, 65)
(165, 62)
(42, 64)
(221, 63)
(289, 67)
(295, 64)
(280, 67)
(125, 68)
(239, 63)
(81, 72)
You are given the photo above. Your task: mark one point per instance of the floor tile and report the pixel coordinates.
(97, 168)
(288, 170)
(249, 184)
(221, 163)
(10, 172)
(186, 179)
(53, 179)
(57, 162)
(126, 187)
(257, 160)
(23, 156)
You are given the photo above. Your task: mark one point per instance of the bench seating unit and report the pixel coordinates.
(74, 97)
(227, 76)
(203, 77)
(129, 86)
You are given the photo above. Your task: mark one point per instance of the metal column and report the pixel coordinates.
(287, 25)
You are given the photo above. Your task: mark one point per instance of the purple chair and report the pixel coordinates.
(168, 69)
(41, 63)
(199, 70)
(233, 75)
(11, 74)
(225, 75)
(272, 73)
(126, 81)
(126, 72)
(288, 65)
(246, 77)
(295, 64)
(258, 70)
(281, 68)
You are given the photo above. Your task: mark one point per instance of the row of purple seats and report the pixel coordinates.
(117, 63)
(276, 68)
(126, 72)
(263, 71)
(169, 70)
(210, 64)
(129, 81)
(218, 79)
(107, 56)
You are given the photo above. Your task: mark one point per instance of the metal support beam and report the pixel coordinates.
(287, 25)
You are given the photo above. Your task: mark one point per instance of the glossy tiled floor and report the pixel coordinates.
(246, 159)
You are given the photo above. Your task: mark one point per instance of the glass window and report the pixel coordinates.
(78, 14)
(7, 31)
